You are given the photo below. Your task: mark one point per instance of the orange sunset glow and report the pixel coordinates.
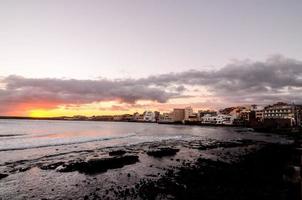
(150, 99)
(102, 108)
(60, 62)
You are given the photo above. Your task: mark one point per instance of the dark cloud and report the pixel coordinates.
(83, 90)
(53, 92)
(276, 79)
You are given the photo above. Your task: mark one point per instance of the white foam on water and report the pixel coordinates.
(28, 138)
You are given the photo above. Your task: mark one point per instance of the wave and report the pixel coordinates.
(67, 143)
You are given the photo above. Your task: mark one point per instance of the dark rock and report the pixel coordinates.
(3, 175)
(23, 169)
(51, 166)
(117, 153)
(230, 144)
(100, 165)
(256, 176)
(161, 152)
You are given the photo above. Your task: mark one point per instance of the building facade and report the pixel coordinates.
(219, 119)
(166, 118)
(188, 113)
(280, 111)
(178, 114)
(149, 116)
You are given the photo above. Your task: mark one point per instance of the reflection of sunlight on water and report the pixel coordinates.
(43, 137)
(82, 133)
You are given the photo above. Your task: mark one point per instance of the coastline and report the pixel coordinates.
(171, 169)
(281, 131)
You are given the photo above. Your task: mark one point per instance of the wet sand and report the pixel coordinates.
(172, 169)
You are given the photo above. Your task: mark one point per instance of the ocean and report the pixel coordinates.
(33, 153)
(30, 139)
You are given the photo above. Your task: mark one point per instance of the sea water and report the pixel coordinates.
(29, 139)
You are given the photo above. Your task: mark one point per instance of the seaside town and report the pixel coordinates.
(277, 116)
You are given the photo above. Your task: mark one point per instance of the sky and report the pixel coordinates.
(68, 57)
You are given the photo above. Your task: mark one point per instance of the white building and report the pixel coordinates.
(225, 119)
(149, 116)
(280, 110)
(208, 119)
(218, 119)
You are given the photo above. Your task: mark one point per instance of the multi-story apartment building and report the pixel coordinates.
(178, 114)
(149, 116)
(208, 119)
(219, 119)
(280, 110)
(157, 114)
(259, 115)
(188, 112)
(193, 118)
(258, 112)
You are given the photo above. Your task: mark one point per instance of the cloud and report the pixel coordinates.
(276, 79)
(53, 92)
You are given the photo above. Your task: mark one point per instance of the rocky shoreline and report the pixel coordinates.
(172, 169)
(257, 176)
